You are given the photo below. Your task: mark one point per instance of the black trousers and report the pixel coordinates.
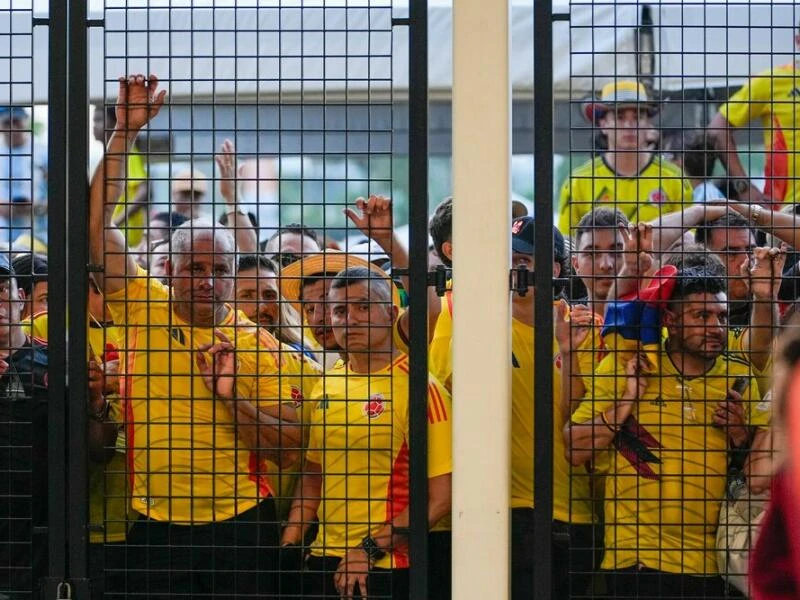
(440, 562)
(575, 554)
(384, 584)
(107, 570)
(228, 560)
(23, 556)
(649, 584)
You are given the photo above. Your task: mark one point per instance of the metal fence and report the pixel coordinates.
(267, 407)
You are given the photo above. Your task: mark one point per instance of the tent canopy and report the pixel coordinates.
(265, 51)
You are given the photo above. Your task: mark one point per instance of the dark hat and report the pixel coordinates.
(5, 265)
(13, 112)
(522, 238)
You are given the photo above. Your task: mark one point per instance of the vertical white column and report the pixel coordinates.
(481, 327)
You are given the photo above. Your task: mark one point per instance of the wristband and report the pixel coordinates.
(611, 428)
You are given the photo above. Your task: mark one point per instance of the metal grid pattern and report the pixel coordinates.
(676, 251)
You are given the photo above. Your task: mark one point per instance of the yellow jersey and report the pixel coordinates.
(572, 500)
(360, 438)
(135, 175)
(658, 189)
(302, 375)
(186, 462)
(662, 511)
(771, 97)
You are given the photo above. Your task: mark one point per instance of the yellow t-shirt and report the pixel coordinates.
(572, 501)
(360, 438)
(771, 96)
(135, 176)
(659, 189)
(668, 521)
(302, 375)
(188, 464)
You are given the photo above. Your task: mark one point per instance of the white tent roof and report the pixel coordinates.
(265, 50)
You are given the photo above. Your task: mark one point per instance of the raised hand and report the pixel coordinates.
(764, 271)
(226, 161)
(637, 247)
(373, 217)
(139, 101)
(572, 324)
(730, 414)
(219, 368)
(636, 384)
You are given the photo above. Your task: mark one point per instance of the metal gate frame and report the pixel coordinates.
(68, 147)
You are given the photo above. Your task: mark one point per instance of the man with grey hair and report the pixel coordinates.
(205, 406)
(361, 550)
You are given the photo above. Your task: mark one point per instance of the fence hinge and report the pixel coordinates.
(521, 278)
(95, 268)
(401, 22)
(438, 279)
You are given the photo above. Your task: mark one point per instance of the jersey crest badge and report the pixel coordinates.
(658, 196)
(297, 396)
(374, 407)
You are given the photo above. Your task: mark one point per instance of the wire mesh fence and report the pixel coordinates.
(247, 428)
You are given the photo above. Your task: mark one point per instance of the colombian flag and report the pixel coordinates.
(633, 324)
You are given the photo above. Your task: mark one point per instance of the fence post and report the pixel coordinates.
(77, 202)
(58, 60)
(418, 268)
(543, 346)
(481, 322)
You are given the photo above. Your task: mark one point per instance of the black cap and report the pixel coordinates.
(522, 238)
(5, 265)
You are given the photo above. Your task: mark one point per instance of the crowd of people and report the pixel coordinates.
(248, 405)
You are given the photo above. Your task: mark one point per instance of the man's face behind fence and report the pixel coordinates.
(202, 275)
(361, 320)
(699, 325)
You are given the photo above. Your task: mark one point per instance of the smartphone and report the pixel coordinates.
(740, 385)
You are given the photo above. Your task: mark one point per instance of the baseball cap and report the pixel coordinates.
(13, 112)
(5, 265)
(618, 94)
(190, 180)
(522, 238)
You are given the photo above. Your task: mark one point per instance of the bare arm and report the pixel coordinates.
(583, 439)
(784, 226)
(243, 230)
(273, 432)
(374, 219)
(668, 228)
(759, 466)
(307, 498)
(572, 328)
(637, 257)
(136, 105)
(721, 131)
(765, 271)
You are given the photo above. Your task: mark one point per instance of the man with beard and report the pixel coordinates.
(667, 425)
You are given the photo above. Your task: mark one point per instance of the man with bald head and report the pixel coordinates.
(204, 404)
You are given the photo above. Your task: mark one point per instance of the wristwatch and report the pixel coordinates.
(371, 548)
